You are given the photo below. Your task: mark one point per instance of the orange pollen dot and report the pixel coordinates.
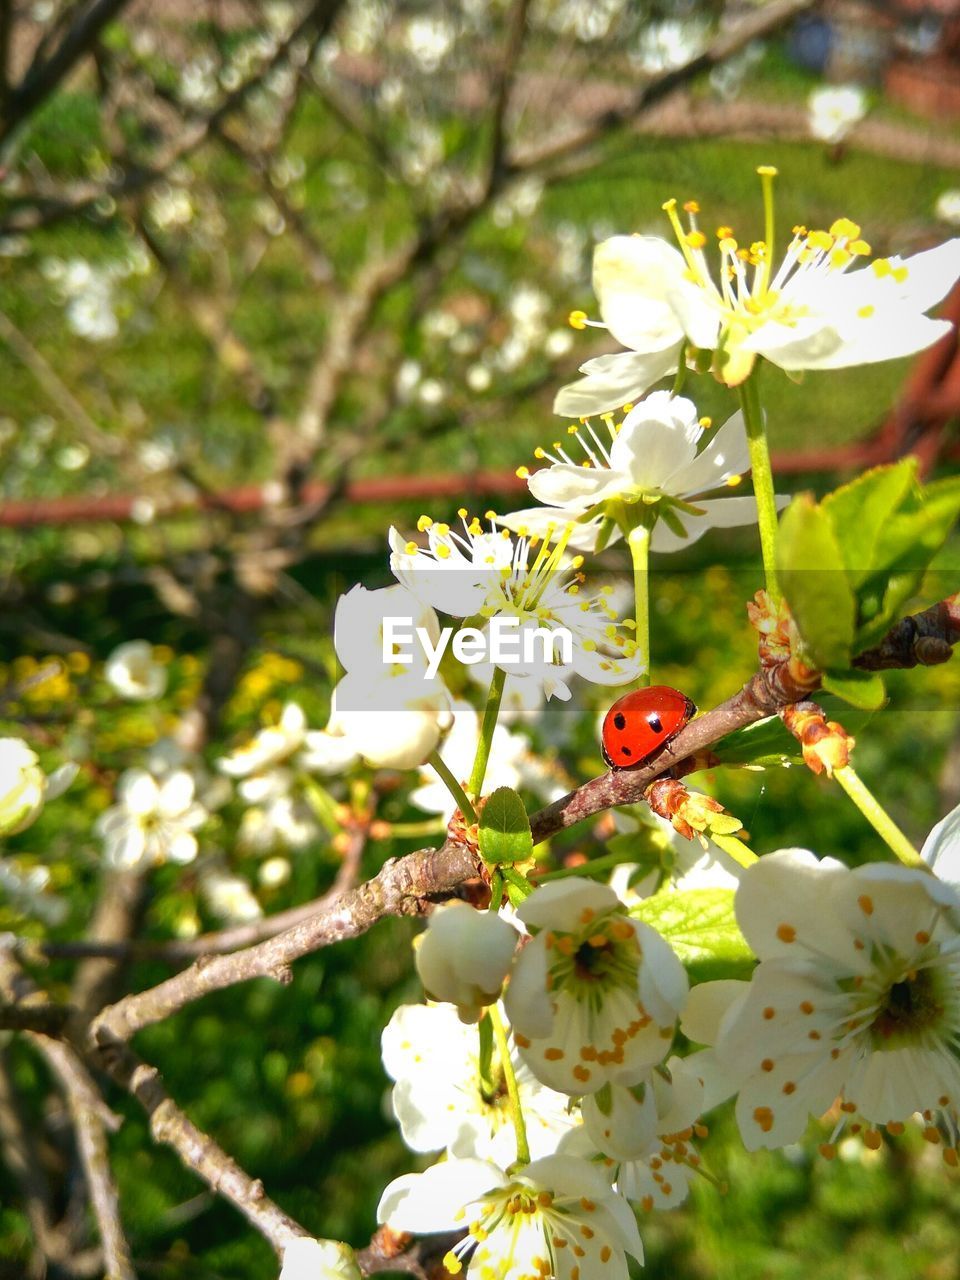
(582, 1073)
(932, 1134)
(786, 933)
(827, 1150)
(769, 1012)
(545, 1199)
(943, 1100)
(873, 1140)
(553, 1055)
(865, 903)
(598, 940)
(767, 1064)
(646, 1204)
(667, 1188)
(895, 1128)
(586, 915)
(587, 1205)
(575, 1272)
(521, 1040)
(566, 945)
(605, 1253)
(587, 1232)
(806, 1007)
(764, 1118)
(849, 1107)
(858, 945)
(588, 1052)
(559, 1242)
(921, 936)
(580, 1252)
(789, 1088)
(622, 930)
(950, 1156)
(813, 1035)
(834, 1053)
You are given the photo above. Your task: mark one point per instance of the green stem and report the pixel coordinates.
(510, 1079)
(453, 786)
(639, 541)
(762, 481)
(491, 713)
(877, 816)
(496, 891)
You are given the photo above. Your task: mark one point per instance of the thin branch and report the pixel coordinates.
(48, 1019)
(404, 886)
(22, 1157)
(87, 1110)
(756, 26)
(503, 89)
(44, 77)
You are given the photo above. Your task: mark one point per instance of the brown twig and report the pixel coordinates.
(405, 885)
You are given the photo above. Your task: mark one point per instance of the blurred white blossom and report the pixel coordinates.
(132, 671)
(833, 110)
(151, 823)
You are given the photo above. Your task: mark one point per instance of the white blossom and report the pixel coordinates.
(132, 672)
(441, 1102)
(857, 995)
(833, 110)
(812, 312)
(484, 572)
(152, 822)
(947, 208)
(555, 1217)
(594, 997)
(650, 459)
(228, 896)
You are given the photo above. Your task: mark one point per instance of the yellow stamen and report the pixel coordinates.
(577, 319)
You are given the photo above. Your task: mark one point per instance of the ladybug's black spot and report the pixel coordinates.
(620, 720)
(625, 751)
(655, 723)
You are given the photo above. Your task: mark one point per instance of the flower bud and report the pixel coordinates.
(308, 1259)
(464, 956)
(22, 786)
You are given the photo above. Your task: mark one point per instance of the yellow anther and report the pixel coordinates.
(799, 230)
(840, 257)
(696, 239)
(577, 319)
(490, 515)
(452, 1264)
(900, 274)
(820, 240)
(522, 473)
(443, 551)
(881, 267)
(706, 423)
(462, 513)
(767, 170)
(733, 481)
(844, 228)
(572, 429)
(424, 523)
(691, 206)
(538, 452)
(866, 312)
(669, 206)
(860, 248)
(628, 408)
(724, 233)
(411, 548)
(441, 529)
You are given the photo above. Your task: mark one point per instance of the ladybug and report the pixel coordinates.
(640, 723)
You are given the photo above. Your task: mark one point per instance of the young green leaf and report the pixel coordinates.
(701, 927)
(860, 509)
(504, 832)
(863, 689)
(813, 579)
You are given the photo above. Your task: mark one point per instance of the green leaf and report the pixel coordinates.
(863, 689)
(701, 927)
(814, 582)
(765, 743)
(907, 543)
(859, 510)
(504, 828)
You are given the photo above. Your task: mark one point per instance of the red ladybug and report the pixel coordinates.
(640, 723)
